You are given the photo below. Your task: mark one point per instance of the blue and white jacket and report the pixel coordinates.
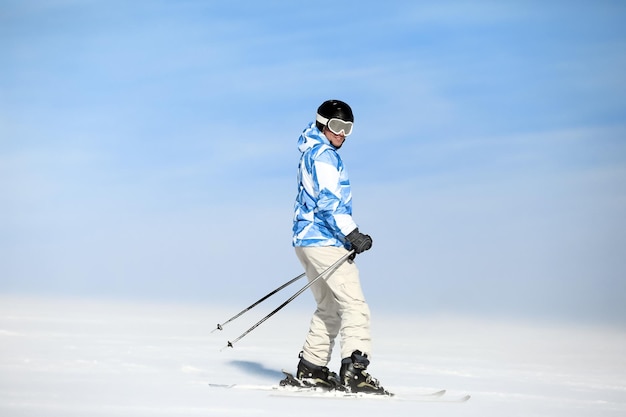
(323, 208)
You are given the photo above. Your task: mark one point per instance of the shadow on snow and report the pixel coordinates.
(257, 368)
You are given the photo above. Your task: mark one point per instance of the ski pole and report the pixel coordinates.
(327, 271)
(221, 326)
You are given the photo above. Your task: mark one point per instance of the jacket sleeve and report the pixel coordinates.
(334, 201)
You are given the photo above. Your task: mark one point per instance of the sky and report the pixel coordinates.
(148, 150)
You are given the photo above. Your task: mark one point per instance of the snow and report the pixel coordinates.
(78, 357)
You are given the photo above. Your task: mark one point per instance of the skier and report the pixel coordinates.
(323, 232)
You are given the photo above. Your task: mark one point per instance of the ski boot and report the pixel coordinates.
(314, 376)
(355, 378)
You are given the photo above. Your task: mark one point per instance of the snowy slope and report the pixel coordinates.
(85, 358)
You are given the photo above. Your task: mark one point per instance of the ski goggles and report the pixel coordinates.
(336, 125)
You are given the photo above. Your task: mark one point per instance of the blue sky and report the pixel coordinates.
(148, 149)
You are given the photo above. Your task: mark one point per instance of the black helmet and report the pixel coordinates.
(333, 109)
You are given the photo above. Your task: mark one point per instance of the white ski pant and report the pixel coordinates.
(341, 306)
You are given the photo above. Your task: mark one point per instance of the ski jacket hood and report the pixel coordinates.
(323, 207)
(310, 137)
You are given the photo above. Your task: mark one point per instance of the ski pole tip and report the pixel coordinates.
(228, 345)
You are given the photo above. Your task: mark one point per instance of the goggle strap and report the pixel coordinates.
(321, 119)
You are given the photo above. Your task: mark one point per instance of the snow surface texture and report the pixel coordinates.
(80, 358)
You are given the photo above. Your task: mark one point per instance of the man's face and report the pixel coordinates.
(335, 139)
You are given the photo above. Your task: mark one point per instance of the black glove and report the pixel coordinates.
(359, 241)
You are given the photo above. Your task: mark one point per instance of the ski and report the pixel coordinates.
(293, 387)
(438, 396)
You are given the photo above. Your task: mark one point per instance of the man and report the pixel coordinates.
(324, 231)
